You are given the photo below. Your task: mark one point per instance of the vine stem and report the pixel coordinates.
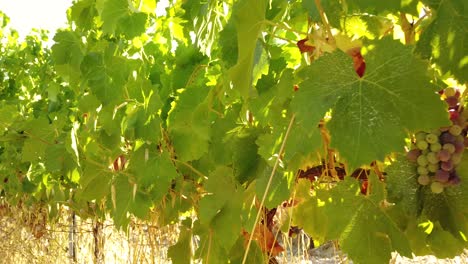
(325, 21)
(190, 167)
(284, 27)
(262, 202)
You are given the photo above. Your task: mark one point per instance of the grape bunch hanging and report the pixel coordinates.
(437, 153)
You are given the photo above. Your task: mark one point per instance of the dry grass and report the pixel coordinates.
(27, 237)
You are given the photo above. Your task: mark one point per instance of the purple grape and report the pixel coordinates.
(413, 154)
(459, 147)
(446, 166)
(442, 176)
(443, 155)
(446, 137)
(454, 180)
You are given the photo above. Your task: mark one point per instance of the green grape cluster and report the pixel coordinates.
(437, 153)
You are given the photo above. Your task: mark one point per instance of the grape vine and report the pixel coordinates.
(216, 113)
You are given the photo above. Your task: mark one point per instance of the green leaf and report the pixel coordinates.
(444, 244)
(248, 19)
(132, 25)
(189, 124)
(220, 188)
(56, 157)
(8, 114)
(123, 201)
(344, 213)
(363, 126)
(181, 252)
(153, 170)
(279, 189)
(106, 76)
(83, 13)
(95, 182)
(40, 134)
(377, 234)
(402, 185)
(67, 53)
(246, 162)
(112, 11)
(227, 223)
(309, 213)
(444, 40)
(139, 124)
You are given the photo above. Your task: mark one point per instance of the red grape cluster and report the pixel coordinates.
(437, 153)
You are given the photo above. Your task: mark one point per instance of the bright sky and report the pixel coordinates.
(27, 14)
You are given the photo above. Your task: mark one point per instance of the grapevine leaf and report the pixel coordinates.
(228, 43)
(55, 157)
(442, 209)
(111, 12)
(140, 124)
(8, 114)
(444, 39)
(83, 13)
(132, 25)
(248, 17)
(373, 7)
(153, 170)
(91, 177)
(444, 244)
(123, 201)
(309, 213)
(379, 237)
(148, 6)
(210, 249)
(180, 252)
(229, 216)
(376, 189)
(106, 77)
(457, 194)
(344, 198)
(402, 185)
(255, 254)
(67, 53)
(39, 134)
(363, 126)
(220, 188)
(278, 190)
(246, 161)
(333, 9)
(189, 124)
(417, 237)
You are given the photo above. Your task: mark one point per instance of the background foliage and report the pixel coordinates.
(209, 112)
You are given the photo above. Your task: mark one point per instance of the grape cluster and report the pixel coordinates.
(437, 153)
